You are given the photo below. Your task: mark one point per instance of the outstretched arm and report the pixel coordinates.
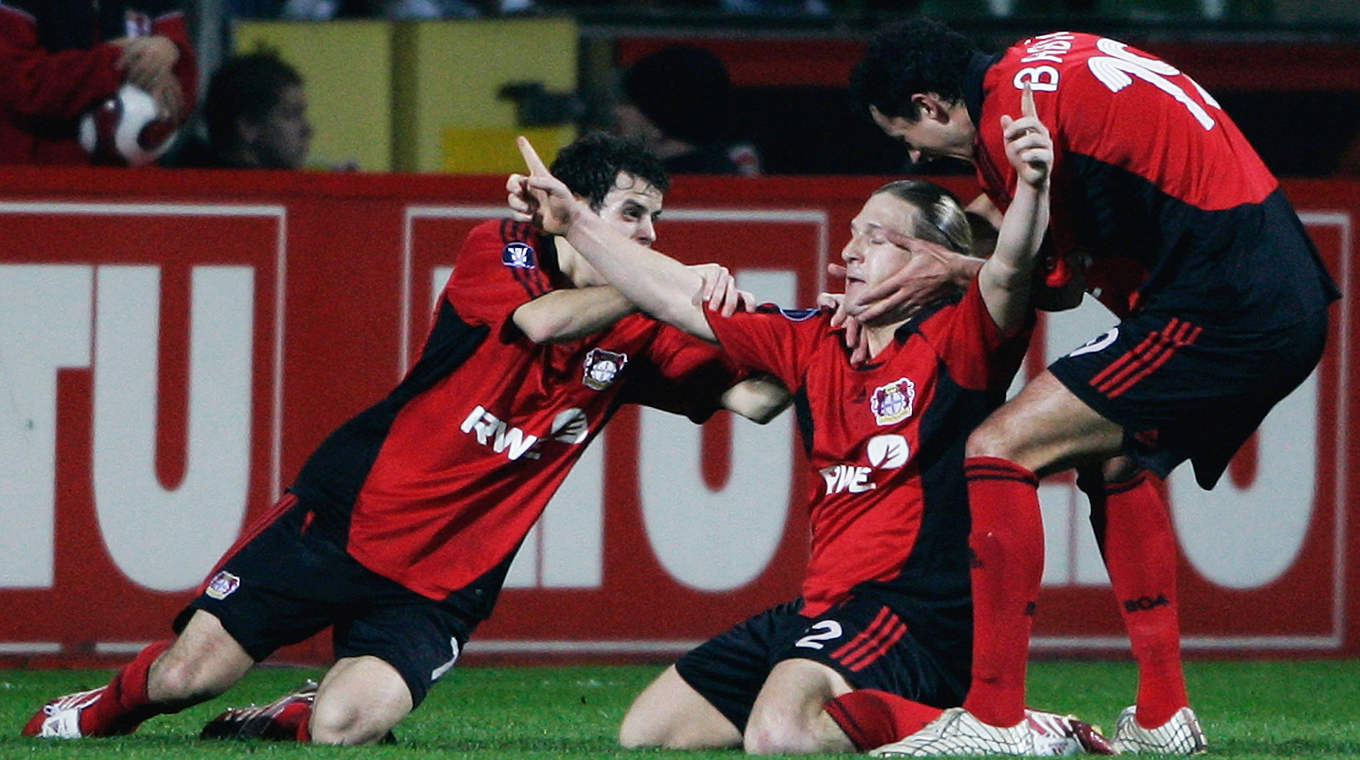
(759, 398)
(571, 313)
(656, 283)
(1006, 278)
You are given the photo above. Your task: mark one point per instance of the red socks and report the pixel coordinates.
(872, 718)
(1139, 548)
(1007, 543)
(124, 704)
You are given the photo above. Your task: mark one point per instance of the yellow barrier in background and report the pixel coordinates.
(347, 66)
(448, 78)
(422, 96)
(491, 150)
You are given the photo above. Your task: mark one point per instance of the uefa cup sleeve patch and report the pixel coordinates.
(602, 367)
(893, 402)
(518, 255)
(222, 585)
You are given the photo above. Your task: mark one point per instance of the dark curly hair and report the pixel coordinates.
(907, 57)
(590, 166)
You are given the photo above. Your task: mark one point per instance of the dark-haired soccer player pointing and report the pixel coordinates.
(401, 526)
(1226, 307)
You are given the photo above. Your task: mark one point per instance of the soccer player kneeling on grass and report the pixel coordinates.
(401, 526)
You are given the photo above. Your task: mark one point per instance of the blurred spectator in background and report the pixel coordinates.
(677, 101)
(256, 116)
(60, 58)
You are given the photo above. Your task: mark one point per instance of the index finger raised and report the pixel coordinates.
(531, 159)
(1027, 102)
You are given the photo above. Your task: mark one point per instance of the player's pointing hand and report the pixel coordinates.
(1028, 144)
(540, 196)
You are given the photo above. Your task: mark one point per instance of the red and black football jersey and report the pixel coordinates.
(438, 483)
(888, 503)
(1151, 176)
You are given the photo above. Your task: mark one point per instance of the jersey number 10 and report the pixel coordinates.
(1118, 66)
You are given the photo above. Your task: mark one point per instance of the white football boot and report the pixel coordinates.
(1056, 734)
(1181, 735)
(957, 732)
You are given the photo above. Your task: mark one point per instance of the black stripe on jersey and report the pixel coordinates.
(997, 472)
(905, 330)
(1252, 266)
(332, 476)
(532, 285)
(1125, 485)
(802, 412)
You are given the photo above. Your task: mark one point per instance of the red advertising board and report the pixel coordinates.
(172, 346)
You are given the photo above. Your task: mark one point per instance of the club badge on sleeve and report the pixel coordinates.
(602, 367)
(222, 585)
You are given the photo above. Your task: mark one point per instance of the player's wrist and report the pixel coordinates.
(963, 270)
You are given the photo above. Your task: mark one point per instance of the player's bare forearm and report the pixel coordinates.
(964, 269)
(1007, 277)
(653, 281)
(1005, 280)
(572, 313)
(759, 398)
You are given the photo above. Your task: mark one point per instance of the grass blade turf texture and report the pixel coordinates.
(1272, 709)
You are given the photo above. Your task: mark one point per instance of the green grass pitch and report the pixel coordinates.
(1274, 709)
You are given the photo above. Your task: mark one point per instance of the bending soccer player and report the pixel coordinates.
(1129, 516)
(1224, 312)
(879, 640)
(401, 526)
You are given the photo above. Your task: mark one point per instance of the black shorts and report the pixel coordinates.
(287, 583)
(1182, 391)
(863, 639)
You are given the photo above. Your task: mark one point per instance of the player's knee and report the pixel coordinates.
(335, 722)
(765, 737)
(635, 733)
(989, 440)
(181, 680)
(640, 730)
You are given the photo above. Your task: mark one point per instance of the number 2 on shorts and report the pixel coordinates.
(826, 630)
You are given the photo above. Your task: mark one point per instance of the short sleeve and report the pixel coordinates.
(971, 346)
(778, 341)
(682, 374)
(500, 268)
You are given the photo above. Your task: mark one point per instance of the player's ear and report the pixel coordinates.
(929, 105)
(925, 106)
